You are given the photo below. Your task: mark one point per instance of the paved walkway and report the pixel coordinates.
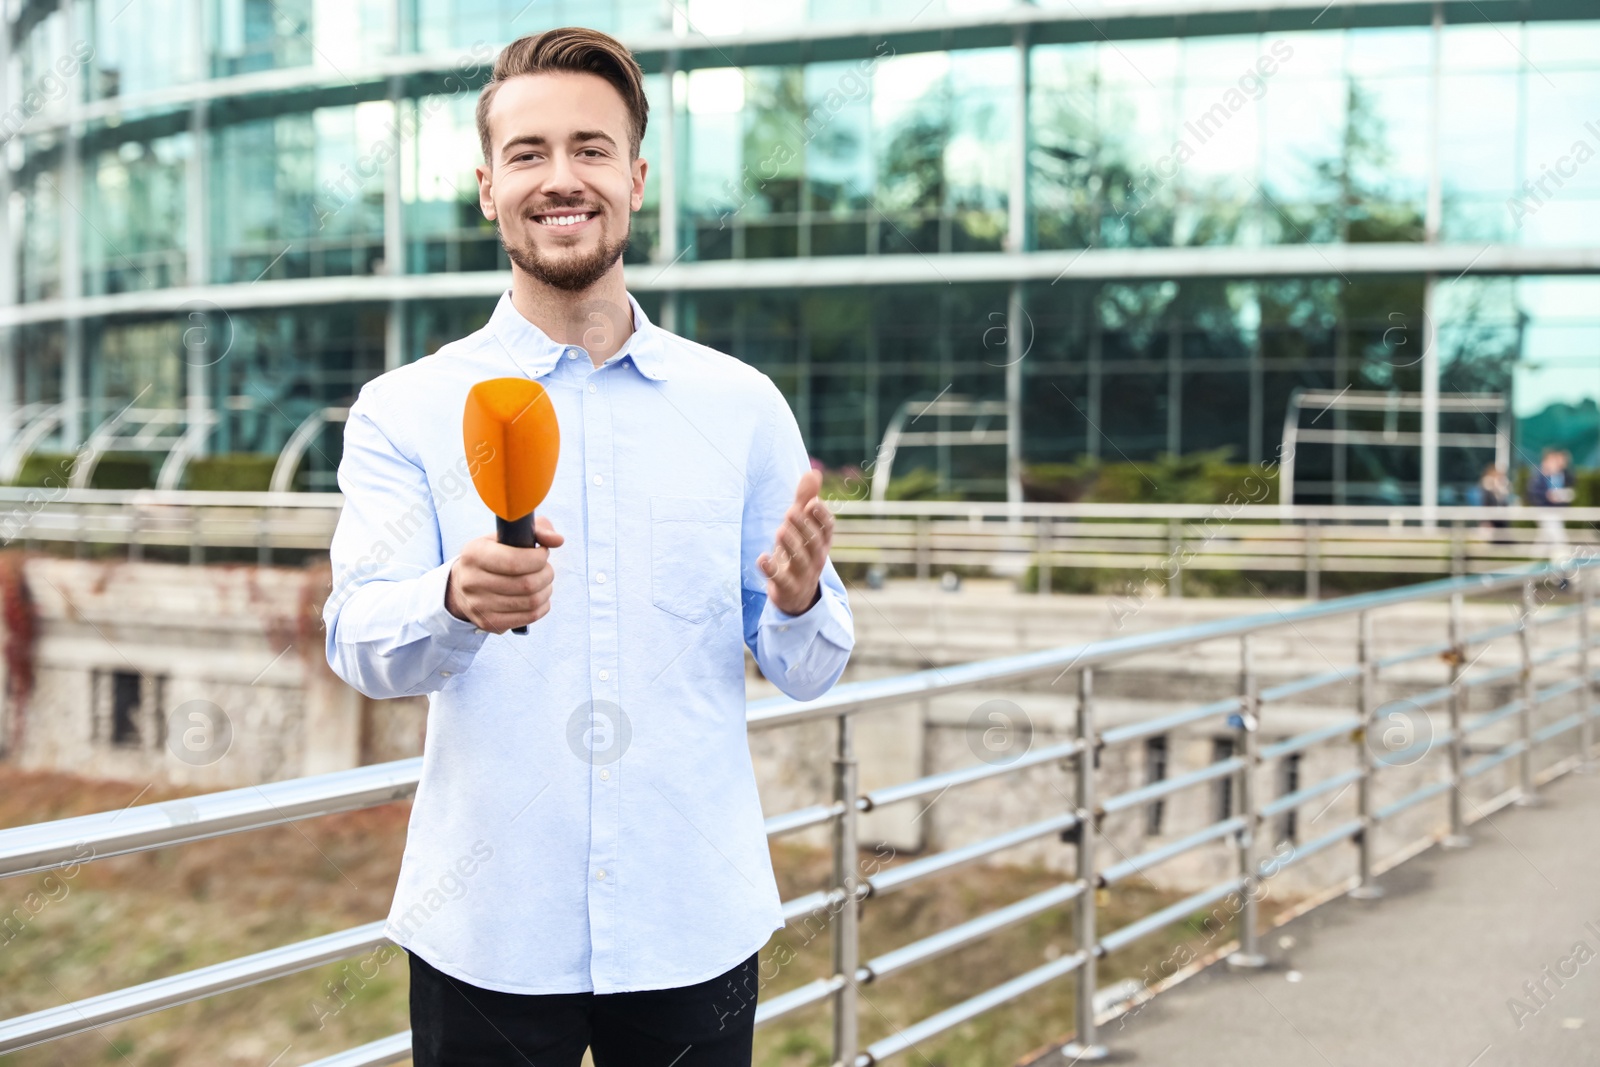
(1426, 976)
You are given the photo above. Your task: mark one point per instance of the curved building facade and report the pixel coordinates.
(1138, 227)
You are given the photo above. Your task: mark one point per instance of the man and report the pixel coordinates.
(1550, 486)
(1492, 491)
(586, 864)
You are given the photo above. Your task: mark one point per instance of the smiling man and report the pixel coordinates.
(586, 864)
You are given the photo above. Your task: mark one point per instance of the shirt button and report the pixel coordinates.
(572, 353)
(593, 388)
(600, 875)
(605, 775)
(598, 479)
(783, 626)
(477, 629)
(600, 577)
(444, 674)
(604, 675)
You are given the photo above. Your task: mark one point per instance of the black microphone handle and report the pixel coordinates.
(518, 533)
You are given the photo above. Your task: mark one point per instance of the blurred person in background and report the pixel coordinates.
(1492, 491)
(1550, 486)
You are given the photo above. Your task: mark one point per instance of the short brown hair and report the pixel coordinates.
(571, 48)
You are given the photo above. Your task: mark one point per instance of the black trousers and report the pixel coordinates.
(456, 1024)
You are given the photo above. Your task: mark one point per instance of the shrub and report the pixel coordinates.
(235, 472)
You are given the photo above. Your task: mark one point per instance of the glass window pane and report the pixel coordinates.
(138, 199)
(1216, 160)
(300, 196)
(1557, 200)
(1557, 391)
(1477, 157)
(333, 35)
(1482, 48)
(445, 25)
(911, 123)
(1064, 142)
(39, 250)
(444, 227)
(1386, 158)
(839, 171)
(284, 365)
(978, 154)
(140, 361)
(1137, 128)
(44, 89)
(1304, 124)
(142, 46)
(1553, 46)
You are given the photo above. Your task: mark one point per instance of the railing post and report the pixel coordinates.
(1174, 550)
(924, 548)
(1585, 697)
(1457, 837)
(1527, 796)
(197, 552)
(1249, 954)
(1368, 889)
(264, 542)
(1045, 531)
(846, 925)
(1313, 561)
(1083, 1046)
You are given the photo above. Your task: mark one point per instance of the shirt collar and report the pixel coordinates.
(535, 353)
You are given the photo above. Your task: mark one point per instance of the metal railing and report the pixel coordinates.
(68, 842)
(906, 537)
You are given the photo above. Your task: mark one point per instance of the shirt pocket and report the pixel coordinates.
(694, 554)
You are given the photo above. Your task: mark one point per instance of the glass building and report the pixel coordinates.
(1142, 225)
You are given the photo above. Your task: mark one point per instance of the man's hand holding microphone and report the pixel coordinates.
(497, 587)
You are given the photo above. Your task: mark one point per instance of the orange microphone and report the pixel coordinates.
(516, 420)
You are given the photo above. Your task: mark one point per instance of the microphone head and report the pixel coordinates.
(509, 427)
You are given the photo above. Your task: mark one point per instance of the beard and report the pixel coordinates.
(571, 270)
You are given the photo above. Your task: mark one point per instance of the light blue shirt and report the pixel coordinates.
(587, 816)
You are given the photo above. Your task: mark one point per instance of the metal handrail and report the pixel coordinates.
(1167, 786)
(1148, 925)
(385, 1050)
(1343, 832)
(1159, 539)
(928, 866)
(1173, 849)
(966, 933)
(938, 783)
(1290, 801)
(1151, 727)
(1412, 655)
(125, 1004)
(965, 510)
(1301, 742)
(70, 841)
(64, 842)
(1307, 685)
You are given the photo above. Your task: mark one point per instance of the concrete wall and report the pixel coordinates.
(226, 667)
